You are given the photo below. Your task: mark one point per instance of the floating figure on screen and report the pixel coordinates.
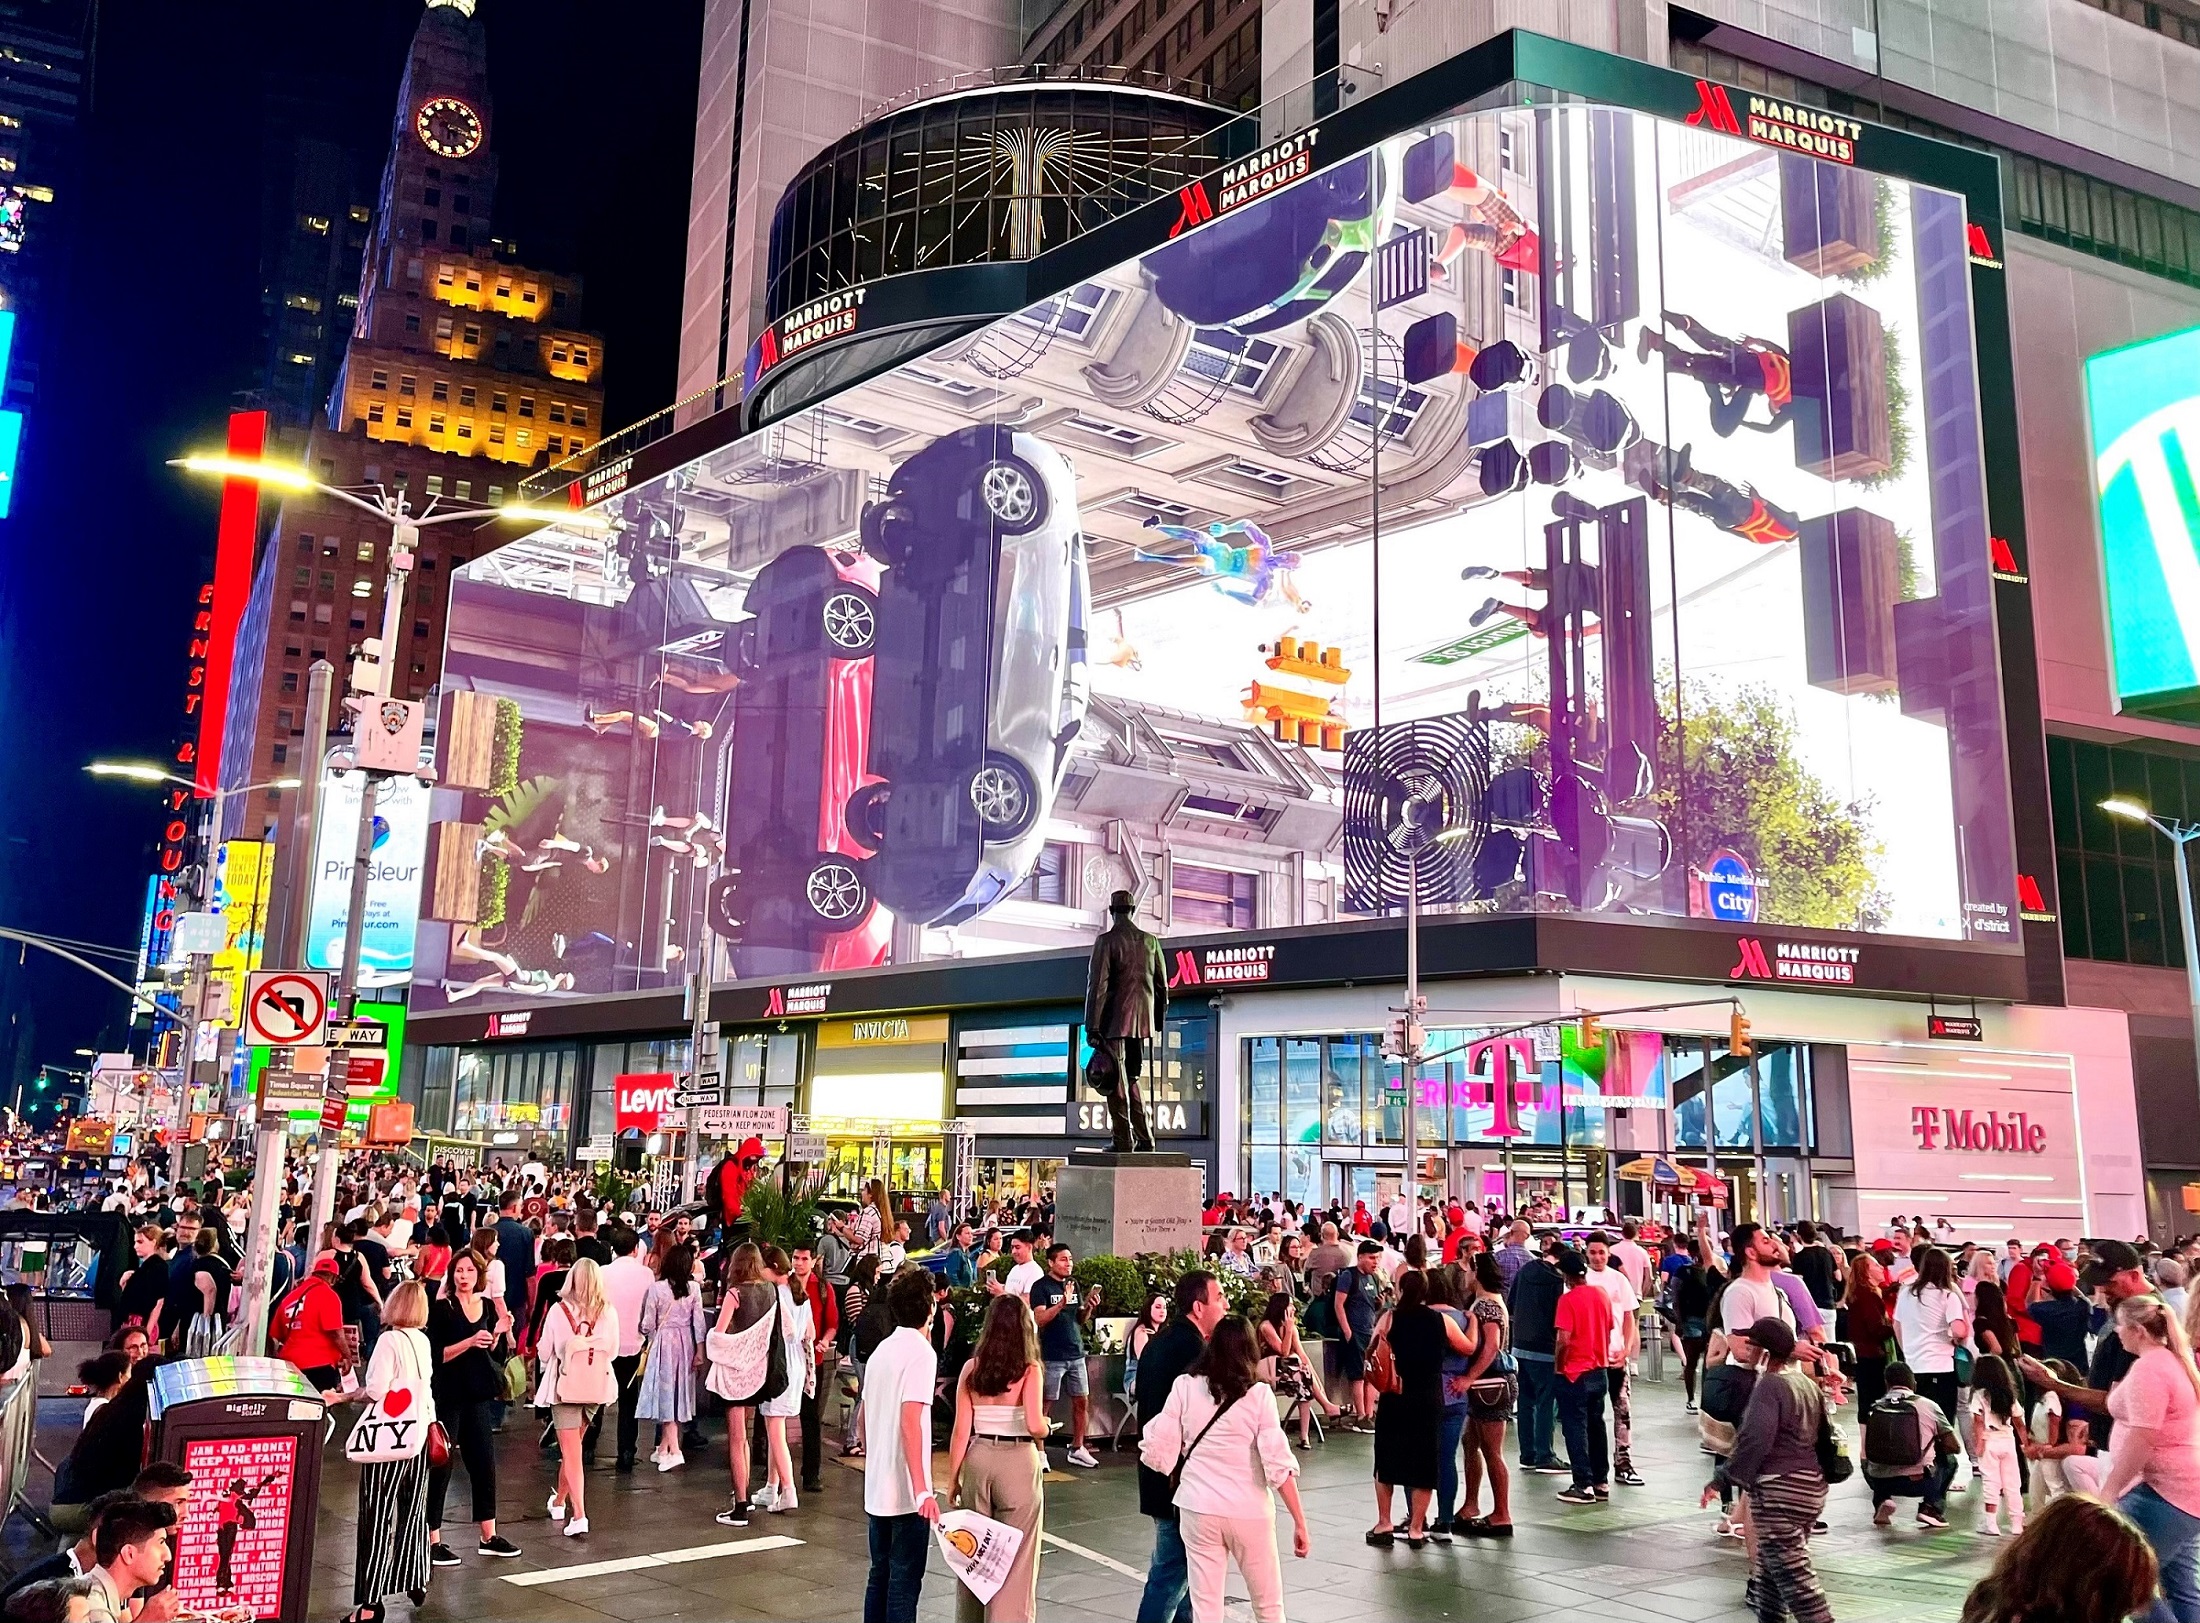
(602, 721)
(557, 840)
(529, 982)
(234, 1517)
(695, 837)
(1432, 172)
(710, 682)
(1737, 509)
(1249, 573)
(500, 844)
(468, 945)
(1579, 589)
(1734, 372)
(1125, 654)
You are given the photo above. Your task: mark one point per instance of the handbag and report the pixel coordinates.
(585, 1376)
(1382, 1368)
(1834, 1463)
(515, 1379)
(439, 1447)
(1966, 1361)
(395, 1424)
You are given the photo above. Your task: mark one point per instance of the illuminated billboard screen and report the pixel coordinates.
(393, 876)
(2143, 400)
(1593, 500)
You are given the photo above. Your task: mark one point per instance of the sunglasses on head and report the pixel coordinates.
(751, 1162)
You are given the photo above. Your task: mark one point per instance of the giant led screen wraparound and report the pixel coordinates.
(1633, 556)
(2143, 400)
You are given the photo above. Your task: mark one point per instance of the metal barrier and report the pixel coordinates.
(18, 1425)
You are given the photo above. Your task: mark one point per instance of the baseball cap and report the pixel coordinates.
(2061, 1277)
(1572, 1263)
(1773, 1337)
(1882, 1248)
(2110, 1258)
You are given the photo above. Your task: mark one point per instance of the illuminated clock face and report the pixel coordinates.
(448, 126)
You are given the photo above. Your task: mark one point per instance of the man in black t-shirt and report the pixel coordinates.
(2116, 1275)
(379, 1277)
(1818, 1265)
(146, 1280)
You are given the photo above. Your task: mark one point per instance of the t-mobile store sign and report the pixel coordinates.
(1991, 1137)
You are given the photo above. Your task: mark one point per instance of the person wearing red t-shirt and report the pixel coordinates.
(308, 1326)
(1583, 1327)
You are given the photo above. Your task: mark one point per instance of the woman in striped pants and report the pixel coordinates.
(1775, 1460)
(392, 1553)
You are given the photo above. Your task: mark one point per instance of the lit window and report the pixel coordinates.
(313, 223)
(361, 214)
(496, 433)
(304, 301)
(435, 422)
(362, 587)
(374, 412)
(465, 428)
(443, 326)
(521, 436)
(443, 277)
(435, 484)
(496, 493)
(404, 417)
(297, 359)
(465, 490)
(574, 445)
(366, 552)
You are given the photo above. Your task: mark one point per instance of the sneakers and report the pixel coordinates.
(670, 1462)
(1602, 1491)
(441, 1554)
(1576, 1496)
(1987, 1530)
(557, 1510)
(734, 1515)
(1931, 1518)
(767, 1496)
(1692, 1409)
(782, 1503)
(1439, 1535)
(1628, 1477)
(1884, 1515)
(1552, 1468)
(576, 1527)
(498, 1545)
(1083, 1457)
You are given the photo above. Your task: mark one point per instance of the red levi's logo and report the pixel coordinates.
(1713, 110)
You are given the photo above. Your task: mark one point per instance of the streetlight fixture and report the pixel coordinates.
(2179, 834)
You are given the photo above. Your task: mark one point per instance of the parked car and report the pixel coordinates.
(982, 669)
(796, 897)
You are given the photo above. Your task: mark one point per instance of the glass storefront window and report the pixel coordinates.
(1302, 1091)
(1783, 1091)
(527, 1091)
(1341, 1104)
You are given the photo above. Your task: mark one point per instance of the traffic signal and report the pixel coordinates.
(1590, 1032)
(1404, 1038)
(1737, 1035)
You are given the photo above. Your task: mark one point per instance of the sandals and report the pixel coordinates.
(1416, 1541)
(1381, 1538)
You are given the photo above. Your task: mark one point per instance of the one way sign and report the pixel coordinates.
(286, 1008)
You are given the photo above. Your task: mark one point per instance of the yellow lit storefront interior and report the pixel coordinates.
(878, 1092)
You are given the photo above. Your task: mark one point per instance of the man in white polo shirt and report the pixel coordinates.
(897, 1466)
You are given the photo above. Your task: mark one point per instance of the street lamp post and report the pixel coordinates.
(392, 508)
(202, 898)
(2179, 835)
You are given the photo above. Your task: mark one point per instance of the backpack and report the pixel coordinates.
(1894, 1435)
(874, 1327)
(1726, 1390)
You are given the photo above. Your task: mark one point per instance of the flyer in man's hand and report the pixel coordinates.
(979, 1550)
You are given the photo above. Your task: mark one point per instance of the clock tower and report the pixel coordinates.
(466, 370)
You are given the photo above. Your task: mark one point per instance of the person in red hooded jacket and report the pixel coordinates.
(307, 1326)
(728, 1187)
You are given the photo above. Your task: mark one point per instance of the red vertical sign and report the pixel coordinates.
(240, 524)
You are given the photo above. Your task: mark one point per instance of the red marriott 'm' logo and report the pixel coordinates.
(1193, 208)
(1186, 972)
(1751, 965)
(1713, 110)
(775, 1002)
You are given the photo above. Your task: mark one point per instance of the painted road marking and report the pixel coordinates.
(1107, 1561)
(664, 1558)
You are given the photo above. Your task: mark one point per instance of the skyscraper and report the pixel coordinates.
(464, 369)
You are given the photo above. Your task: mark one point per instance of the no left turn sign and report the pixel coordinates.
(286, 1008)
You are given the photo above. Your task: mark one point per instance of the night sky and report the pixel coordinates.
(157, 334)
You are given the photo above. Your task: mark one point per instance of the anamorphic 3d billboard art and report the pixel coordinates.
(1583, 510)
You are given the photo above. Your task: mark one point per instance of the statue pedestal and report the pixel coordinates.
(1120, 1204)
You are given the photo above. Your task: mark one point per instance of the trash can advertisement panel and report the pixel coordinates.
(1582, 509)
(233, 1547)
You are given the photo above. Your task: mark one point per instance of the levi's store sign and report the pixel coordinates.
(644, 1100)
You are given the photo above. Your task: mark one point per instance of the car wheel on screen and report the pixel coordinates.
(720, 908)
(835, 892)
(865, 813)
(1004, 797)
(850, 619)
(1013, 495)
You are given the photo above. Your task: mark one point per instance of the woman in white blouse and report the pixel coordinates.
(1930, 1318)
(1219, 1438)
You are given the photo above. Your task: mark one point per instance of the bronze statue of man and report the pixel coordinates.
(1126, 1000)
